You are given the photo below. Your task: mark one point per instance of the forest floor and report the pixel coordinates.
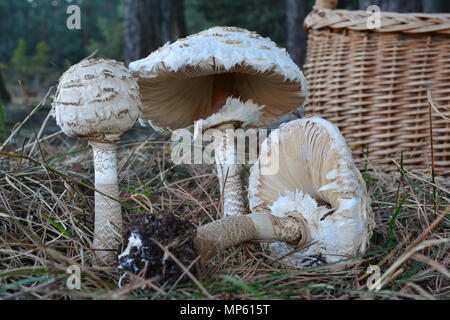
(46, 223)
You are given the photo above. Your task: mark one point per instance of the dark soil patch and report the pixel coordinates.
(171, 232)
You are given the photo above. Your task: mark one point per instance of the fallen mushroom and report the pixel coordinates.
(317, 200)
(227, 77)
(99, 100)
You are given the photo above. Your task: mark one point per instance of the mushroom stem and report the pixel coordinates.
(228, 172)
(108, 218)
(229, 231)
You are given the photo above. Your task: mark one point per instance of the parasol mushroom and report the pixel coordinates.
(227, 77)
(317, 200)
(99, 100)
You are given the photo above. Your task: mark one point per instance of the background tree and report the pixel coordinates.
(348, 4)
(266, 17)
(296, 38)
(434, 6)
(40, 62)
(109, 42)
(296, 12)
(151, 23)
(173, 24)
(45, 20)
(405, 6)
(131, 29)
(19, 60)
(4, 95)
(364, 4)
(40, 59)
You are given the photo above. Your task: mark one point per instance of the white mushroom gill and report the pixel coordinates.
(327, 231)
(178, 80)
(194, 77)
(315, 160)
(317, 184)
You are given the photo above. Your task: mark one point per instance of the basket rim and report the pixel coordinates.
(391, 22)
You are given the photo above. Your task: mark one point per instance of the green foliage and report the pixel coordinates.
(19, 60)
(40, 61)
(67, 64)
(3, 124)
(37, 46)
(111, 43)
(41, 58)
(34, 35)
(267, 17)
(102, 27)
(36, 66)
(45, 20)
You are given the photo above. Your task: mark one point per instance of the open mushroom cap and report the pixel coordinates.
(192, 78)
(97, 99)
(317, 178)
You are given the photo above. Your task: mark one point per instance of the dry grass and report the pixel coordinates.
(46, 223)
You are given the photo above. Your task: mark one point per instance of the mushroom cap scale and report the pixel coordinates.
(97, 99)
(318, 178)
(191, 78)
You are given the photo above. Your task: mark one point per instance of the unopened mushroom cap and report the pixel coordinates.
(178, 81)
(97, 99)
(316, 177)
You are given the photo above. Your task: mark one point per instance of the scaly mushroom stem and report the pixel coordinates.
(108, 218)
(228, 172)
(224, 233)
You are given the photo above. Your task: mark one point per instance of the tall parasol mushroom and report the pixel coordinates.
(316, 200)
(99, 100)
(226, 76)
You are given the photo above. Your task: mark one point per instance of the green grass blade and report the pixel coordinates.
(2, 121)
(238, 283)
(25, 281)
(60, 228)
(394, 217)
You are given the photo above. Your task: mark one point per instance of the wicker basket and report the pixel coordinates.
(373, 84)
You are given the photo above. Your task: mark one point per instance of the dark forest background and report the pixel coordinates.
(36, 46)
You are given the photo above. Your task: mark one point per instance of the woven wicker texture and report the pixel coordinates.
(373, 84)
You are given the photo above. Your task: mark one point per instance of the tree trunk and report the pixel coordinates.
(405, 6)
(4, 95)
(401, 6)
(296, 35)
(142, 33)
(149, 24)
(436, 6)
(348, 4)
(173, 24)
(364, 4)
